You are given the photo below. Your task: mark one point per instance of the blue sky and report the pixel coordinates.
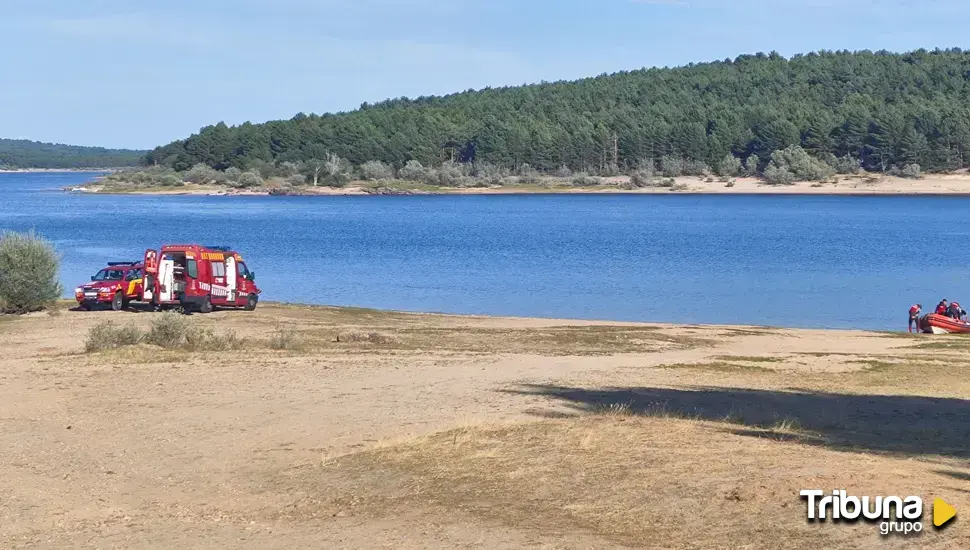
(134, 73)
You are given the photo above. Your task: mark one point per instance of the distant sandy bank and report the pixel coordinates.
(936, 184)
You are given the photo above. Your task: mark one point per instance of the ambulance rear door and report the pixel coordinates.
(150, 275)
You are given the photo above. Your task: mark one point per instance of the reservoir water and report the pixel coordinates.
(794, 261)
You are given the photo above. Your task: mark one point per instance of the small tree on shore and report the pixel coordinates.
(313, 168)
(200, 174)
(751, 166)
(413, 171)
(28, 272)
(729, 167)
(376, 170)
(232, 174)
(249, 179)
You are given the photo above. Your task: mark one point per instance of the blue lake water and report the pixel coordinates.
(826, 262)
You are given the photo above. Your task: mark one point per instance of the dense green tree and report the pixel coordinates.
(873, 110)
(18, 153)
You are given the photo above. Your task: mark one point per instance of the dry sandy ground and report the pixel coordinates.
(379, 429)
(932, 184)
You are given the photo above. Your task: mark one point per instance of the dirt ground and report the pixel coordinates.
(347, 428)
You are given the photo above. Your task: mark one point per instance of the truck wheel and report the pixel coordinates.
(206, 306)
(118, 301)
(251, 304)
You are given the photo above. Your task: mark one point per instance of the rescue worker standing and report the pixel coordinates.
(914, 316)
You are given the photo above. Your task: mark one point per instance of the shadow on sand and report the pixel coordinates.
(905, 425)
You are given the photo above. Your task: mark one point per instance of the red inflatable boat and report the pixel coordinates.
(941, 324)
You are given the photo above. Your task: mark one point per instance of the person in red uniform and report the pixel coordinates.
(914, 316)
(941, 307)
(954, 311)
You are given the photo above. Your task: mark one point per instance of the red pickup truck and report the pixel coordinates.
(117, 284)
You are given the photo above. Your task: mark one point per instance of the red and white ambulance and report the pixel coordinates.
(198, 277)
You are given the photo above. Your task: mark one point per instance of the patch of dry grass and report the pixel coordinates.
(378, 338)
(945, 343)
(750, 358)
(285, 338)
(631, 480)
(107, 335)
(719, 366)
(548, 341)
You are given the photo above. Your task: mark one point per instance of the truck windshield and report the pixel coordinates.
(109, 275)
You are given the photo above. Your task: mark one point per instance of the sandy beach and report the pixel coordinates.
(373, 429)
(933, 184)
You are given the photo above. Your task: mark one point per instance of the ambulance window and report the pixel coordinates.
(218, 269)
(241, 269)
(192, 269)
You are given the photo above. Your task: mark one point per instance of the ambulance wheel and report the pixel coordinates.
(251, 303)
(118, 301)
(206, 306)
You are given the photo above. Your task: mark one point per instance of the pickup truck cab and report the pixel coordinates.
(116, 285)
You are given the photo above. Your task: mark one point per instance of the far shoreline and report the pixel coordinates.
(933, 185)
(56, 170)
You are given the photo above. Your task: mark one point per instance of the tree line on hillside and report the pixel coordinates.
(20, 153)
(875, 110)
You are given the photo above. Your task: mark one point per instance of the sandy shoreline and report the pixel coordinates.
(932, 185)
(368, 429)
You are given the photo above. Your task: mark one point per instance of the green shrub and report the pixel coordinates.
(288, 169)
(778, 176)
(449, 174)
(170, 180)
(169, 330)
(249, 179)
(641, 178)
(847, 165)
(413, 171)
(204, 339)
(672, 166)
(583, 180)
(751, 165)
(799, 164)
(296, 180)
(609, 170)
(200, 174)
(696, 168)
(233, 174)
(28, 272)
(563, 172)
(107, 335)
(488, 170)
(528, 174)
(265, 170)
(910, 171)
(729, 167)
(375, 170)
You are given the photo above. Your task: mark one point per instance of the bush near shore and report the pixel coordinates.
(785, 166)
(28, 272)
(170, 330)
